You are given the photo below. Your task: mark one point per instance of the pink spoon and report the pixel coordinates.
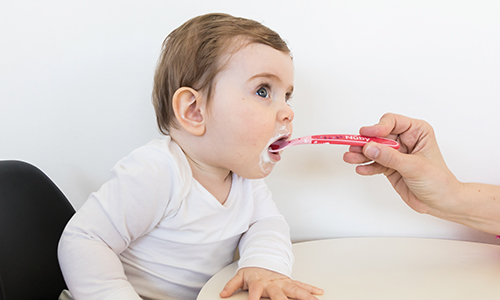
(336, 139)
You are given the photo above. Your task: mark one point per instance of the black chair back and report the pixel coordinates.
(33, 214)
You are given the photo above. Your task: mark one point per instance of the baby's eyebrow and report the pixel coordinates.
(266, 75)
(270, 76)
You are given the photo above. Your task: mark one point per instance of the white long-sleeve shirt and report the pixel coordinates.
(153, 232)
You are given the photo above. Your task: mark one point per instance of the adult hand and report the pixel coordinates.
(264, 283)
(417, 171)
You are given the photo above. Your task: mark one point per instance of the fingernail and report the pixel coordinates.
(372, 151)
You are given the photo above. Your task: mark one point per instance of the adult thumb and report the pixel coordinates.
(385, 156)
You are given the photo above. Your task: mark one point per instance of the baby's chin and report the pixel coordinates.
(261, 171)
(266, 168)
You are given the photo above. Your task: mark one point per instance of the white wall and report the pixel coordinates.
(76, 77)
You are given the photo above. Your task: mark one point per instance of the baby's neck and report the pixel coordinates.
(218, 186)
(215, 179)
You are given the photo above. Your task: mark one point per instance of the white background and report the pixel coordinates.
(76, 79)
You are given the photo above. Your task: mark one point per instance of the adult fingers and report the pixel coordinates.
(384, 155)
(395, 126)
(373, 169)
(355, 158)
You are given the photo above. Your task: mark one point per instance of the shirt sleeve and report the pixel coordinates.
(129, 205)
(266, 244)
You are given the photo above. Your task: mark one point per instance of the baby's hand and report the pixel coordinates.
(264, 283)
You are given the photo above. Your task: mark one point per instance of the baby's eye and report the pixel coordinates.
(262, 92)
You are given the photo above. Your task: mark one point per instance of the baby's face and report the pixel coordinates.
(249, 109)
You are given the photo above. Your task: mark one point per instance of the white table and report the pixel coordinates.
(389, 269)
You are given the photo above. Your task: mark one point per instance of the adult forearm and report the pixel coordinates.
(475, 205)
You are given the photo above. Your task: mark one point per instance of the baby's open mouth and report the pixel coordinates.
(278, 144)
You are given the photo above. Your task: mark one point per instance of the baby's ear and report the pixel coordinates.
(189, 106)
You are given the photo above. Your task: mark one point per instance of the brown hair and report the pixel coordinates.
(191, 57)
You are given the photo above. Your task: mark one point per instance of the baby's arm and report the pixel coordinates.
(89, 259)
(266, 259)
(121, 211)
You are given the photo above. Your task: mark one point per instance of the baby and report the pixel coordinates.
(175, 210)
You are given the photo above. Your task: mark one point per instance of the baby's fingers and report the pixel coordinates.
(232, 286)
(255, 291)
(293, 291)
(276, 293)
(310, 288)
